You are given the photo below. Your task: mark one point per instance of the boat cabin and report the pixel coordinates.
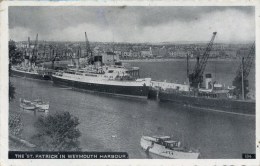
(161, 138)
(167, 142)
(172, 144)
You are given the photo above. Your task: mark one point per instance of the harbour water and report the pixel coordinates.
(223, 71)
(110, 123)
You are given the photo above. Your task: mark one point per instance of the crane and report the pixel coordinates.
(27, 50)
(88, 51)
(70, 53)
(240, 82)
(196, 77)
(35, 50)
(53, 53)
(44, 51)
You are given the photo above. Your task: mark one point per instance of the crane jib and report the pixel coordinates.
(197, 75)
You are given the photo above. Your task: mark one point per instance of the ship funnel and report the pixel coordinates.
(208, 81)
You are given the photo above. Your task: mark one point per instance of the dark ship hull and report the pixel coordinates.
(32, 75)
(226, 105)
(130, 91)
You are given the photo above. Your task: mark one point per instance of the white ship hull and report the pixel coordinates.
(160, 150)
(137, 88)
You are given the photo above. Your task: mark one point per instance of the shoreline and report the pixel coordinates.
(172, 60)
(62, 62)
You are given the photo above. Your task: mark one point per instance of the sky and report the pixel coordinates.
(132, 24)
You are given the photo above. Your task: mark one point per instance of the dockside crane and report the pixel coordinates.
(53, 54)
(196, 77)
(89, 53)
(240, 82)
(27, 50)
(35, 50)
(71, 53)
(44, 52)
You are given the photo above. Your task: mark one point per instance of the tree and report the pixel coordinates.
(15, 57)
(11, 91)
(15, 124)
(57, 132)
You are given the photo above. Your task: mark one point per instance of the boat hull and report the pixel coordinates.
(160, 150)
(131, 91)
(226, 105)
(24, 74)
(42, 106)
(27, 107)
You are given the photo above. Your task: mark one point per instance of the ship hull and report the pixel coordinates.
(226, 105)
(24, 74)
(160, 150)
(131, 91)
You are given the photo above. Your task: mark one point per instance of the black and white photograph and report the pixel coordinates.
(132, 82)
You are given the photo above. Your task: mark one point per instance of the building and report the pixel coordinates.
(146, 53)
(109, 58)
(159, 52)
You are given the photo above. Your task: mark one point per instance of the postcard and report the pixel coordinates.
(129, 83)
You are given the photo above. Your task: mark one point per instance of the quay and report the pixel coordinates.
(157, 86)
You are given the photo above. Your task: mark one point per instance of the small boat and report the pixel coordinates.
(37, 104)
(28, 105)
(166, 147)
(41, 105)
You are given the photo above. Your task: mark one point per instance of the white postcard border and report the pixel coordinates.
(4, 36)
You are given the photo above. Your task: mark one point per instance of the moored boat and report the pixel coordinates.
(166, 147)
(37, 104)
(206, 93)
(41, 105)
(40, 74)
(114, 80)
(213, 100)
(28, 67)
(28, 105)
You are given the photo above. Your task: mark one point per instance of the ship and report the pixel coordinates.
(28, 68)
(34, 73)
(202, 92)
(41, 105)
(35, 104)
(27, 105)
(166, 147)
(109, 79)
(214, 98)
(103, 72)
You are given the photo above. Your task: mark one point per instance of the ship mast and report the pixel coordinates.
(241, 89)
(242, 75)
(188, 68)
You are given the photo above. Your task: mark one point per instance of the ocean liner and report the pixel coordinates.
(34, 73)
(211, 95)
(103, 73)
(111, 79)
(28, 68)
